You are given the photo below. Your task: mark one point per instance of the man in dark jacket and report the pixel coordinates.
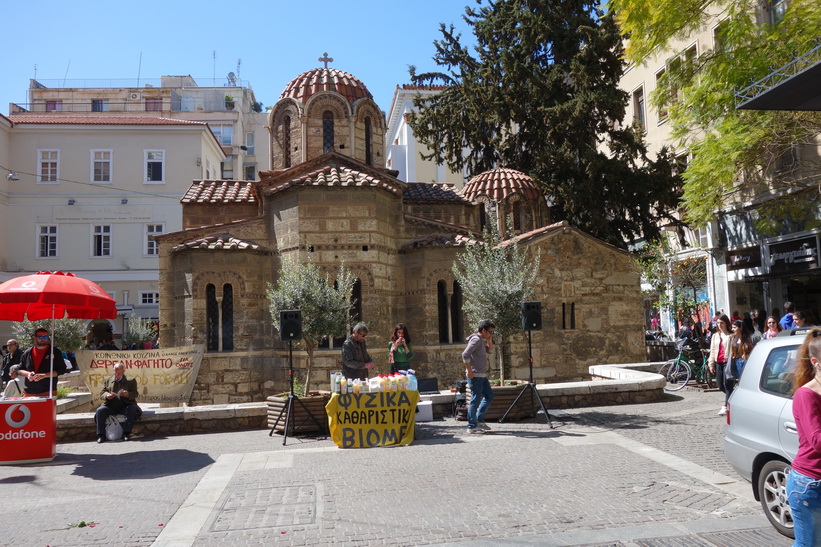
(36, 366)
(11, 358)
(355, 357)
(119, 396)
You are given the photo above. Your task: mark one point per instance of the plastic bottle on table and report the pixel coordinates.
(413, 383)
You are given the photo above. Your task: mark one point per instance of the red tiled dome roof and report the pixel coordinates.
(325, 79)
(497, 184)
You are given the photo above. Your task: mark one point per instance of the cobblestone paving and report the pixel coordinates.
(522, 481)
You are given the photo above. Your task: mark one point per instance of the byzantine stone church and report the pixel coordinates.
(329, 198)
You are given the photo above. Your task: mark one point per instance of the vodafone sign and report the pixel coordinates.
(28, 430)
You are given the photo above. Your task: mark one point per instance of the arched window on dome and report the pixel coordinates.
(327, 132)
(368, 144)
(286, 140)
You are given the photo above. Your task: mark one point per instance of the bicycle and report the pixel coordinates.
(688, 364)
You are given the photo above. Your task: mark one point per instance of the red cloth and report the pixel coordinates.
(721, 358)
(806, 408)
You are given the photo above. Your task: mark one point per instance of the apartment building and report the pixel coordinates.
(86, 193)
(745, 269)
(404, 152)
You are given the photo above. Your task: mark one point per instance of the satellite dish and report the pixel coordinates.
(232, 77)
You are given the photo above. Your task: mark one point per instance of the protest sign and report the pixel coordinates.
(164, 375)
(363, 420)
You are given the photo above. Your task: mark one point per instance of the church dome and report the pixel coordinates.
(498, 184)
(306, 84)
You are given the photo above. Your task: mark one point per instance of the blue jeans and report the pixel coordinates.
(479, 390)
(804, 496)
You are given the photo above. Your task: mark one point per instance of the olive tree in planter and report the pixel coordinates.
(139, 331)
(325, 305)
(496, 277)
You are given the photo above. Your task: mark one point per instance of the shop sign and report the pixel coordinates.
(798, 255)
(744, 258)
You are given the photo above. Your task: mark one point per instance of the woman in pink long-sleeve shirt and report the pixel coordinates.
(804, 481)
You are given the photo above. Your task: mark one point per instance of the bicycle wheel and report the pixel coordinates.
(677, 373)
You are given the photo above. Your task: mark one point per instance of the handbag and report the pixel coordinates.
(113, 429)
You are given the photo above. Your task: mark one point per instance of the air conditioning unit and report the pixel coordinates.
(134, 96)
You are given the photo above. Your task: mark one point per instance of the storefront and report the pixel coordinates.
(794, 272)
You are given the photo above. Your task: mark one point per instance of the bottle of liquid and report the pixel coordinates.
(357, 386)
(413, 383)
(343, 385)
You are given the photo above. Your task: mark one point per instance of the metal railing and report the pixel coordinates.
(779, 76)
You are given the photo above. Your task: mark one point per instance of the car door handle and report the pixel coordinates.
(790, 426)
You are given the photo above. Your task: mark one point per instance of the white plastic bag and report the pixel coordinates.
(113, 429)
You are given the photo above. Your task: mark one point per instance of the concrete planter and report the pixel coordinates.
(503, 397)
(314, 401)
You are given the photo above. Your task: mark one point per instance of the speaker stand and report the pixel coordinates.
(288, 409)
(530, 387)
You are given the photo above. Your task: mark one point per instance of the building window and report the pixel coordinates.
(777, 8)
(457, 329)
(101, 165)
(368, 143)
(47, 241)
(154, 166)
(224, 133)
(148, 298)
(153, 104)
(639, 112)
(99, 105)
(663, 107)
(680, 163)
(152, 248)
(211, 318)
(327, 132)
(54, 106)
(786, 161)
(227, 317)
(568, 316)
(49, 166)
(286, 141)
(101, 240)
(250, 150)
(227, 168)
(250, 172)
(449, 307)
(219, 318)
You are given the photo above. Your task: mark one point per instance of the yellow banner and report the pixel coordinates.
(365, 420)
(164, 375)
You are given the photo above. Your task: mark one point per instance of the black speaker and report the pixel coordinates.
(531, 316)
(290, 324)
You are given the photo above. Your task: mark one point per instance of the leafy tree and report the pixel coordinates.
(541, 95)
(734, 151)
(677, 282)
(68, 334)
(139, 331)
(325, 307)
(496, 277)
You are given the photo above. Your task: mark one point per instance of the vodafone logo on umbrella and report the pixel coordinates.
(15, 411)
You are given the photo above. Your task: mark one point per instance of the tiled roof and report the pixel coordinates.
(63, 119)
(498, 184)
(339, 175)
(439, 224)
(325, 79)
(222, 242)
(432, 191)
(436, 240)
(220, 191)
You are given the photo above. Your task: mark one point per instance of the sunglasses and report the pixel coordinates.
(46, 337)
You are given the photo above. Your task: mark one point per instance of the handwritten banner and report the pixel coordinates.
(365, 420)
(165, 375)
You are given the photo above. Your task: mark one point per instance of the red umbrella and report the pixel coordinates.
(54, 295)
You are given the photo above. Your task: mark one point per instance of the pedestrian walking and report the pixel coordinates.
(479, 344)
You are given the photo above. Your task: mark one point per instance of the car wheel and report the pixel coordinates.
(772, 490)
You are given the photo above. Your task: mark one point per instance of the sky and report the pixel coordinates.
(276, 40)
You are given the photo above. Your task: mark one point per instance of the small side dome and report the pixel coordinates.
(306, 84)
(498, 184)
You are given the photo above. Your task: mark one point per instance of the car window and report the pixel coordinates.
(776, 376)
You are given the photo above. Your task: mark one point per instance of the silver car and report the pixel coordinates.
(761, 438)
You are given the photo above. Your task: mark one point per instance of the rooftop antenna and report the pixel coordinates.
(66, 74)
(139, 68)
(239, 62)
(214, 59)
(35, 71)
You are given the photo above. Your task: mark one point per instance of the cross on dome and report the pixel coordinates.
(325, 59)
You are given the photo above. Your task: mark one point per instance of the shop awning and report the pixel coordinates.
(794, 86)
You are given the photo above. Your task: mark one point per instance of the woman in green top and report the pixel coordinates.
(399, 349)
